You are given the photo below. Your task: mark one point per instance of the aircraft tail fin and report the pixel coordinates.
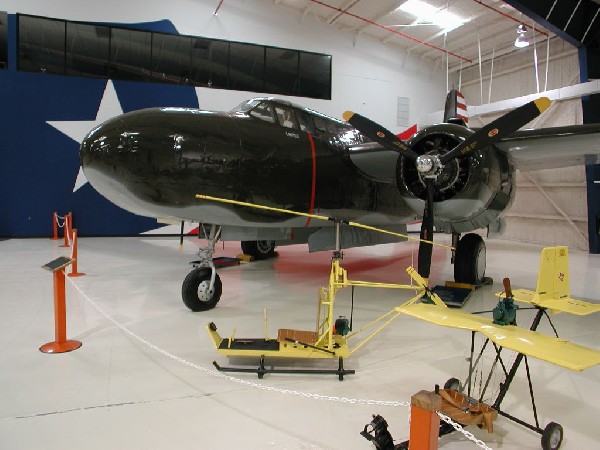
(455, 110)
(408, 133)
(553, 278)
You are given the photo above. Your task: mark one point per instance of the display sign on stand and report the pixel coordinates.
(60, 343)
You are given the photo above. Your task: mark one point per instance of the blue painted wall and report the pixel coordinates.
(39, 164)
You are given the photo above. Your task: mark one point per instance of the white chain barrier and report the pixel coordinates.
(64, 224)
(58, 219)
(355, 401)
(458, 427)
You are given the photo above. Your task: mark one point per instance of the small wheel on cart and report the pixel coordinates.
(454, 384)
(552, 436)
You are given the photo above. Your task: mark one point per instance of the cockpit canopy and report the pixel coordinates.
(288, 115)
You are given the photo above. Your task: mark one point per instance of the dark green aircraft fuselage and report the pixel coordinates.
(152, 162)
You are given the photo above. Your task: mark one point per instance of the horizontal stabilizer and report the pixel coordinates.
(547, 348)
(556, 305)
(553, 288)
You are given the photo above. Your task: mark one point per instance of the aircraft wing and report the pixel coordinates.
(549, 148)
(556, 305)
(557, 351)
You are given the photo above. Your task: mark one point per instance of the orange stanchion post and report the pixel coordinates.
(74, 272)
(54, 227)
(424, 421)
(60, 343)
(67, 229)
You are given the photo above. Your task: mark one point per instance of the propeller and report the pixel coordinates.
(500, 128)
(425, 248)
(377, 133)
(430, 166)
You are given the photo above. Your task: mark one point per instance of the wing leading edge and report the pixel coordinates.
(547, 348)
(550, 148)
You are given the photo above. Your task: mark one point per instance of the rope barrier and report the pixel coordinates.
(74, 267)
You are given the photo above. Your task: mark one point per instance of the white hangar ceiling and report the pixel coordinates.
(488, 26)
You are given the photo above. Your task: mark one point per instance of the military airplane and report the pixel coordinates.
(268, 151)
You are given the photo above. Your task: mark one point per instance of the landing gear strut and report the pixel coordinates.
(201, 290)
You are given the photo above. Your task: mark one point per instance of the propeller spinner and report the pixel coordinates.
(430, 166)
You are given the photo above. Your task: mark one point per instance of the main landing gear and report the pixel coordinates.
(259, 249)
(469, 259)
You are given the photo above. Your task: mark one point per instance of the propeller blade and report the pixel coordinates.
(499, 128)
(426, 236)
(379, 134)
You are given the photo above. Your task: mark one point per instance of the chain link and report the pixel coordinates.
(329, 398)
(458, 427)
(63, 218)
(67, 231)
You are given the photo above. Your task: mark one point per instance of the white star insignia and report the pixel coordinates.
(78, 129)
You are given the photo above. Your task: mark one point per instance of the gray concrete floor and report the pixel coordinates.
(144, 376)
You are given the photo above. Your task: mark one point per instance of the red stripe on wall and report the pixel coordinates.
(313, 186)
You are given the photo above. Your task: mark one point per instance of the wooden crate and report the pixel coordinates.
(467, 411)
(306, 337)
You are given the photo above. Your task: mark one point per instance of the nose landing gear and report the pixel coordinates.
(201, 289)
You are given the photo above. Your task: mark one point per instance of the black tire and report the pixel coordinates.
(259, 249)
(552, 436)
(194, 290)
(454, 384)
(469, 261)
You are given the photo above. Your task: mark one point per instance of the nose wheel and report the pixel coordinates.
(196, 291)
(201, 289)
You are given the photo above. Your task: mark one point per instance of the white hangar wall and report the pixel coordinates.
(367, 76)
(550, 207)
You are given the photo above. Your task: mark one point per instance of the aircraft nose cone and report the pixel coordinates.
(152, 162)
(119, 158)
(100, 146)
(108, 146)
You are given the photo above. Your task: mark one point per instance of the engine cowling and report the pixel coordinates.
(470, 192)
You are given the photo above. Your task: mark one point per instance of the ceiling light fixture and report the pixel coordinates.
(428, 13)
(521, 40)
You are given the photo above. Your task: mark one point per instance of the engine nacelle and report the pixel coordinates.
(470, 192)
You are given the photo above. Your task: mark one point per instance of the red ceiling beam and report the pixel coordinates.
(391, 30)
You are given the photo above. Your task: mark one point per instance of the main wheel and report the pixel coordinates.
(469, 261)
(259, 249)
(195, 290)
(552, 436)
